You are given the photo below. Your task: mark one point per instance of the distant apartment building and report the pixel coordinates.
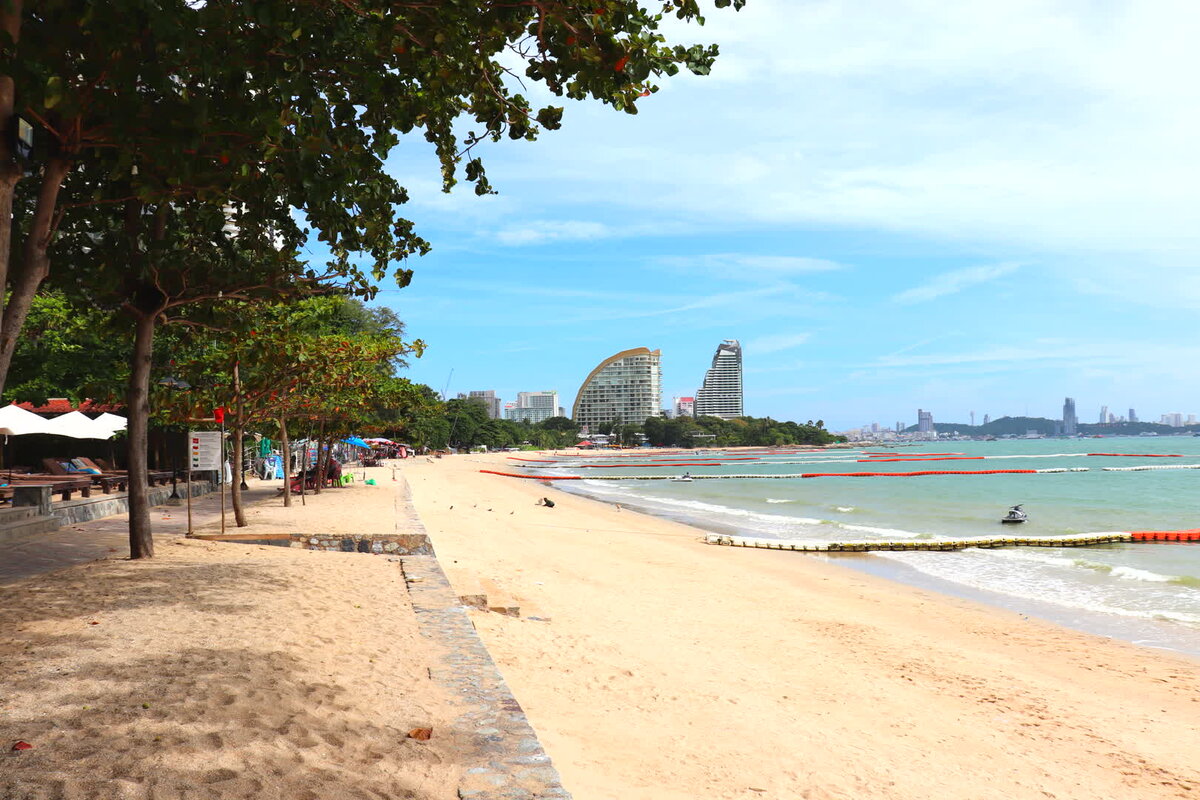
(1103, 415)
(626, 388)
(685, 406)
(1174, 419)
(924, 421)
(721, 394)
(1070, 421)
(987, 418)
(492, 403)
(1132, 415)
(533, 407)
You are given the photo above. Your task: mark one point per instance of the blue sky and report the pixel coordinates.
(893, 205)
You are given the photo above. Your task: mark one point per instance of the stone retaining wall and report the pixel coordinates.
(399, 544)
(86, 509)
(409, 544)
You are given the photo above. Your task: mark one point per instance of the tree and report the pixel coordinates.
(200, 93)
(67, 350)
(200, 128)
(328, 360)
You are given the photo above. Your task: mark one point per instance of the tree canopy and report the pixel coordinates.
(183, 154)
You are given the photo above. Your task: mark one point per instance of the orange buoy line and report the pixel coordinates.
(1189, 535)
(938, 458)
(562, 465)
(656, 464)
(907, 455)
(914, 474)
(1139, 455)
(536, 477)
(661, 477)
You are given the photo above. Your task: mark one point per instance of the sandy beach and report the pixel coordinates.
(651, 665)
(220, 670)
(654, 666)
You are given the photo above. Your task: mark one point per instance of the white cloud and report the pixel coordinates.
(743, 265)
(543, 231)
(953, 282)
(1054, 126)
(776, 343)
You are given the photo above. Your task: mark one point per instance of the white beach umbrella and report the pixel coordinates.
(110, 422)
(77, 426)
(16, 421)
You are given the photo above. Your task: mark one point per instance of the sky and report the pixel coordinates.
(893, 205)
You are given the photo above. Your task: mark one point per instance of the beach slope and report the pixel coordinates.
(654, 666)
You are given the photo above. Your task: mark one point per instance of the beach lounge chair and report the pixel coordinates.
(82, 467)
(160, 476)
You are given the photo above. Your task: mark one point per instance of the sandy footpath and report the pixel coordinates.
(219, 670)
(660, 667)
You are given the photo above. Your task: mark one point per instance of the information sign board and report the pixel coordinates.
(204, 450)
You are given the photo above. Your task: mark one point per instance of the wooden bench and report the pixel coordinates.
(63, 487)
(155, 476)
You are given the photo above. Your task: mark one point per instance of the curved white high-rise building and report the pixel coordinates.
(721, 394)
(626, 388)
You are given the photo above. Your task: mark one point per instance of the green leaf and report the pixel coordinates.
(54, 91)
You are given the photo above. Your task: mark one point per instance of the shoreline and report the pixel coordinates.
(657, 666)
(1149, 633)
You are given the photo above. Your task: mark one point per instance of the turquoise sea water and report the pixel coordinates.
(1147, 593)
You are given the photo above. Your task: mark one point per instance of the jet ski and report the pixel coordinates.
(1015, 514)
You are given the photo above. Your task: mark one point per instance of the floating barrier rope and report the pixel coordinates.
(906, 455)
(786, 477)
(859, 546)
(1139, 455)
(535, 477)
(1190, 535)
(1145, 467)
(923, 458)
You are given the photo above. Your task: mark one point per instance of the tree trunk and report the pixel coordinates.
(235, 486)
(23, 283)
(287, 462)
(10, 170)
(137, 401)
(322, 457)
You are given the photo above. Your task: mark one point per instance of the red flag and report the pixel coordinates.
(219, 414)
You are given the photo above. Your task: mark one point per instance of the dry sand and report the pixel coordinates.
(664, 668)
(220, 670)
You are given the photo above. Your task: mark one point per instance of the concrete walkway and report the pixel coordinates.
(35, 554)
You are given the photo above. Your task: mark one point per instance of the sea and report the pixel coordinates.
(1146, 593)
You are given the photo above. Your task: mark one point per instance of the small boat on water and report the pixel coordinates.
(1015, 514)
(684, 478)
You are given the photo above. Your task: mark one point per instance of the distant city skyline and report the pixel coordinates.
(1069, 419)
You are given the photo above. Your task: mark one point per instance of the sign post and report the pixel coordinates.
(219, 416)
(204, 453)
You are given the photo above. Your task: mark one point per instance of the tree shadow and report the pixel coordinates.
(209, 723)
(92, 589)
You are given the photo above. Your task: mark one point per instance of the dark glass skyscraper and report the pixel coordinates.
(1070, 421)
